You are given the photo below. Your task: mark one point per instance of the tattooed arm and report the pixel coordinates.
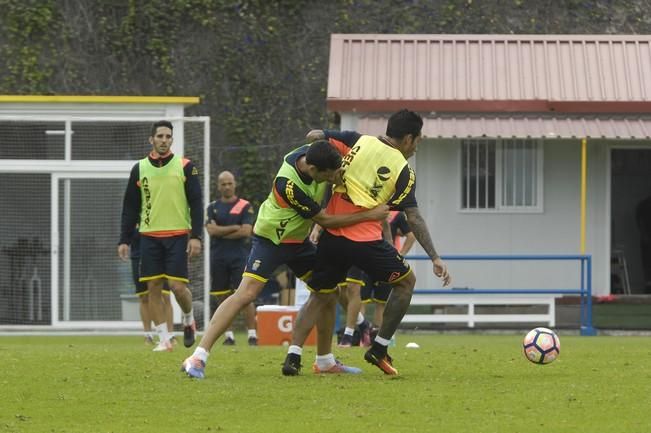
(421, 232)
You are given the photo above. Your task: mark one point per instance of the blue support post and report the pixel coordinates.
(586, 327)
(582, 296)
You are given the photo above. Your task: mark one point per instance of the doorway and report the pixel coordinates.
(630, 218)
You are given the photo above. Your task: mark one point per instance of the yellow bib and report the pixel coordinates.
(164, 204)
(371, 170)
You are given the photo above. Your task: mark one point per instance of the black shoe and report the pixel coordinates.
(381, 360)
(188, 334)
(253, 341)
(292, 365)
(229, 342)
(346, 341)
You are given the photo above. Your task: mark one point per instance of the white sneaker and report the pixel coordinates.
(194, 367)
(163, 346)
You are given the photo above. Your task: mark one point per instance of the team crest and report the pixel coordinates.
(394, 276)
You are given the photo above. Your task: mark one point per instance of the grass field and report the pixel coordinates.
(453, 383)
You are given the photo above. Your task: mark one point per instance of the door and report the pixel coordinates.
(630, 220)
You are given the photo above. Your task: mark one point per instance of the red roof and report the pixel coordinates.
(462, 125)
(490, 73)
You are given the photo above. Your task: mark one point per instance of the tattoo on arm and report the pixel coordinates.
(419, 228)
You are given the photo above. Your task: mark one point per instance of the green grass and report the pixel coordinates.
(453, 383)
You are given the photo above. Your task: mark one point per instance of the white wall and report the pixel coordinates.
(598, 215)
(554, 231)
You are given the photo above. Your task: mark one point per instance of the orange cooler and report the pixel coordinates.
(276, 323)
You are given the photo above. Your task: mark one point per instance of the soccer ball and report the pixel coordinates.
(541, 346)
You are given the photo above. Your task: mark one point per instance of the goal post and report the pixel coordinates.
(63, 180)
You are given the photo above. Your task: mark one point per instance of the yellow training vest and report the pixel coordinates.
(164, 204)
(371, 170)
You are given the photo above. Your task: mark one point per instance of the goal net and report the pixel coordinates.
(63, 182)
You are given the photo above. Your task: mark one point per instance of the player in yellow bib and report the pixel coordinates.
(163, 197)
(375, 171)
(280, 236)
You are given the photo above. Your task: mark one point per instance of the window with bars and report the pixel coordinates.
(501, 175)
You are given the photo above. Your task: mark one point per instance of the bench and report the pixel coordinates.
(480, 298)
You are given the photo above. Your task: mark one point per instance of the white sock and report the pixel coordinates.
(382, 341)
(148, 335)
(253, 333)
(188, 318)
(324, 362)
(349, 331)
(360, 318)
(161, 329)
(202, 354)
(229, 334)
(296, 350)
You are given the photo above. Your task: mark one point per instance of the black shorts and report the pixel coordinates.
(265, 257)
(226, 274)
(336, 254)
(164, 258)
(141, 286)
(357, 276)
(375, 292)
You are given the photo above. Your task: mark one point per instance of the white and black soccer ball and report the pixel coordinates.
(541, 346)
